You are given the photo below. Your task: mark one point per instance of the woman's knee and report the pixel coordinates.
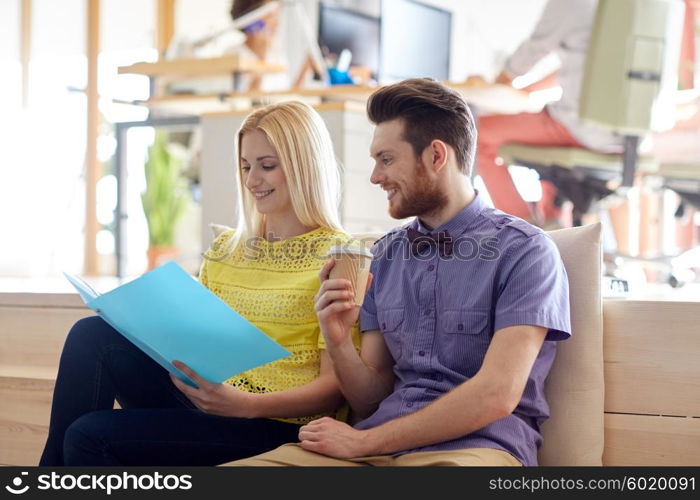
(91, 330)
(85, 438)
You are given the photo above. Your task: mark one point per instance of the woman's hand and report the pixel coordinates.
(215, 399)
(335, 306)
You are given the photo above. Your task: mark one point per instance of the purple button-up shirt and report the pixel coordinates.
(439, 312)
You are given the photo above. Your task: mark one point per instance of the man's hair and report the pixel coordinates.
(429, 111)
(241, 7)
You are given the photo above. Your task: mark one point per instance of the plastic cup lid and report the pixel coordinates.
(351, 249)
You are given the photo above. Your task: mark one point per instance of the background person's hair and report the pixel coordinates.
(305, 152)
(241, 7)
(429, 111)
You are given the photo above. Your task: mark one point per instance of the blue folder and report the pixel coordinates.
(171, 316)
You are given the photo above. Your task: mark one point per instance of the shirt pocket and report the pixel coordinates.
(463, 340)
(391, 325)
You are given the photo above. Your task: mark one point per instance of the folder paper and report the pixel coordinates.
(171, 316)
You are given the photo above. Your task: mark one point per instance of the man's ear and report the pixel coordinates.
(438, 154)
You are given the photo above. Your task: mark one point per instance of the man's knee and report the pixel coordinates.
(290, 455)
(286, 455)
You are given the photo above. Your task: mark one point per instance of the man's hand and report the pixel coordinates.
(335, 306)
(215, 399)
(330, 437)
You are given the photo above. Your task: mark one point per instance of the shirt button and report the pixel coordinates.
(428, 311)
(409, 404)
(421, 353)
(460, 327)
(431, 267)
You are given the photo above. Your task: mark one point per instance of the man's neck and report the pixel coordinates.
(456, 201)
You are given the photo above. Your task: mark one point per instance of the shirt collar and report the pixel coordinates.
(457, 224)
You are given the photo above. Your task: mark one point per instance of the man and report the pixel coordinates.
(459, 319)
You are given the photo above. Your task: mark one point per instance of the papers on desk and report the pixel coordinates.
(171, 316)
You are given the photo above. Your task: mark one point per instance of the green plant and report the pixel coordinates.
(166, 196)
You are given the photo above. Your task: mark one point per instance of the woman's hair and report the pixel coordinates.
(305, 152)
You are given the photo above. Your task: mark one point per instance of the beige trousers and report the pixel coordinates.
(294, 455)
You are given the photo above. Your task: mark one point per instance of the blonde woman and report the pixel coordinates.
(267, 269)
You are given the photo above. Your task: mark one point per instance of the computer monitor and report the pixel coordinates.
(340, 28)
(415, 41)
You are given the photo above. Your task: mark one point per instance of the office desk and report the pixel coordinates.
(494, 99)
(234, 65)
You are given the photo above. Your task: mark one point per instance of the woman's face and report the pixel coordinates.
(262, 174)
(265, 30)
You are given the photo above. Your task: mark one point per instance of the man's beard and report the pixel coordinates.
(424, 198)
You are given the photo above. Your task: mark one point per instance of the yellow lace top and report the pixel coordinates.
(272, 284)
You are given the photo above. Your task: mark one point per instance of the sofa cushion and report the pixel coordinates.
(573, 435)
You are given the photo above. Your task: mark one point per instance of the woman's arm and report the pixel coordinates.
(319, 396)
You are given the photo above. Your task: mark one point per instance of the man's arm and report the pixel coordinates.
(492, 394)
(365, 379)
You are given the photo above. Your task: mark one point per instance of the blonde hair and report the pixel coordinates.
(305, 151)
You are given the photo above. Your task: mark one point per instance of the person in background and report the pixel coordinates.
(681, 144)
(266, 39)
(258, 40)
(563, 28)
(261, 42)
(267, 269)
(688, 60)
(461, 320)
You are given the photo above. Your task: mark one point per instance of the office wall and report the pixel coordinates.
(484, 32)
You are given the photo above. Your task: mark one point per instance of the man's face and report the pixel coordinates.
(412, 189)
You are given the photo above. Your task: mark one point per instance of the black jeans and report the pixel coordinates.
(157, 424)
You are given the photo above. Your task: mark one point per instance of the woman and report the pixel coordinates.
(267, 270)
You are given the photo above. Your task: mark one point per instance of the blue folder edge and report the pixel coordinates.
(171, 316)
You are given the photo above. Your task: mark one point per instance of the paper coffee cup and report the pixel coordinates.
(352, 263)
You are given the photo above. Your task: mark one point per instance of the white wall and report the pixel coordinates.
(484, 32)
(195, 19)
